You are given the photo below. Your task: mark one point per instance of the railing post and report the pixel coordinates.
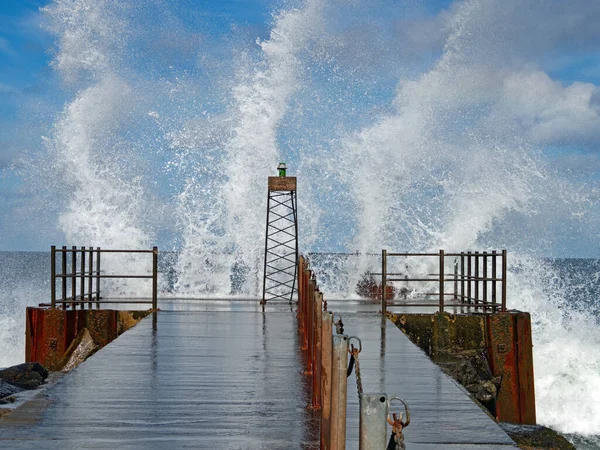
(64, 276)
(462, 277)
(441, 281)
(485, 281)
(504, 272)
(383, 281)
(98, 277)
(326, 358)
(477, 278)
(73, 276)
(469, 280)
(373, 422)
(90, 276)
(494, 274)
(339, 390)
(53, 276)
(455, 279)
(154, 278)
(82, 279)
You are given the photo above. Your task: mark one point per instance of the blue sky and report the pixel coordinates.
(412, 33)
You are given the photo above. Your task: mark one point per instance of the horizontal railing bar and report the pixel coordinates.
(488, 255)
(94, 250)
(435, 304)
(76, 274)
(138, 302)
(85, 275)
(446, 280)
(413, 254)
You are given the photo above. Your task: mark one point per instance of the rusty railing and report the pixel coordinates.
(478, 280)
(84, 277)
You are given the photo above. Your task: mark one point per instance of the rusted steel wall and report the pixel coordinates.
(510, 355)
(49, 332)
(506, 337)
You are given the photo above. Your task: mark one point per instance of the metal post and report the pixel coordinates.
(306, 281)
(469, 281)
(90, 276)
(339, 390)
(64, 278)
(441, 281)
(310, 324)
(98, 278)
(326, 357)
(82, 278)
(53, 276)
(263, 300)
(155, 279)
(383, 281)
(455, 279)
(485, 281)
(300, 294)
(494, 300)
(504, 271)
(73, 276)
(294, 207)
(462, 277)
(373, 422)
(316, 378)
(477, 278)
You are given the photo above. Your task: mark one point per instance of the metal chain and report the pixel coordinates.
(339, 326)
(354, 361)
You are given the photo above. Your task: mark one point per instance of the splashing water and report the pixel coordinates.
(408, 130)
(236, 222)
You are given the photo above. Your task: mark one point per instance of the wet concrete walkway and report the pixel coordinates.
(202, 380)
(227, 376)
(442, 414)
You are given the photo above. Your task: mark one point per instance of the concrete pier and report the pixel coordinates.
(229, 376)
(207, 380)
(443, 416)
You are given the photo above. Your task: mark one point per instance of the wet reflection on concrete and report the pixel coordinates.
(209, 380)
(442, 414)
(227, 375)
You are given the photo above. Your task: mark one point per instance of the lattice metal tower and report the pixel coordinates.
(281, 240)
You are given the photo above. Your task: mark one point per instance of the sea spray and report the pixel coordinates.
(234, 222)
(105, 207)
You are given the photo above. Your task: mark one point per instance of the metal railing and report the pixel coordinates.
(478, 279)
(84, 276)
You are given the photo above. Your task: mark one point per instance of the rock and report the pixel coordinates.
(484, 391)
(81, 347)
(470, 368)
(7, 400)
(27, 375)
(536, 437)
(7, 389)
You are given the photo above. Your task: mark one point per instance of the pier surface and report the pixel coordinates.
(225, 375)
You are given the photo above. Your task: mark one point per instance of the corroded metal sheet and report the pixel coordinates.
(282, 183)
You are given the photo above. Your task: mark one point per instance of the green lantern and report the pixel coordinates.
(282, 168)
